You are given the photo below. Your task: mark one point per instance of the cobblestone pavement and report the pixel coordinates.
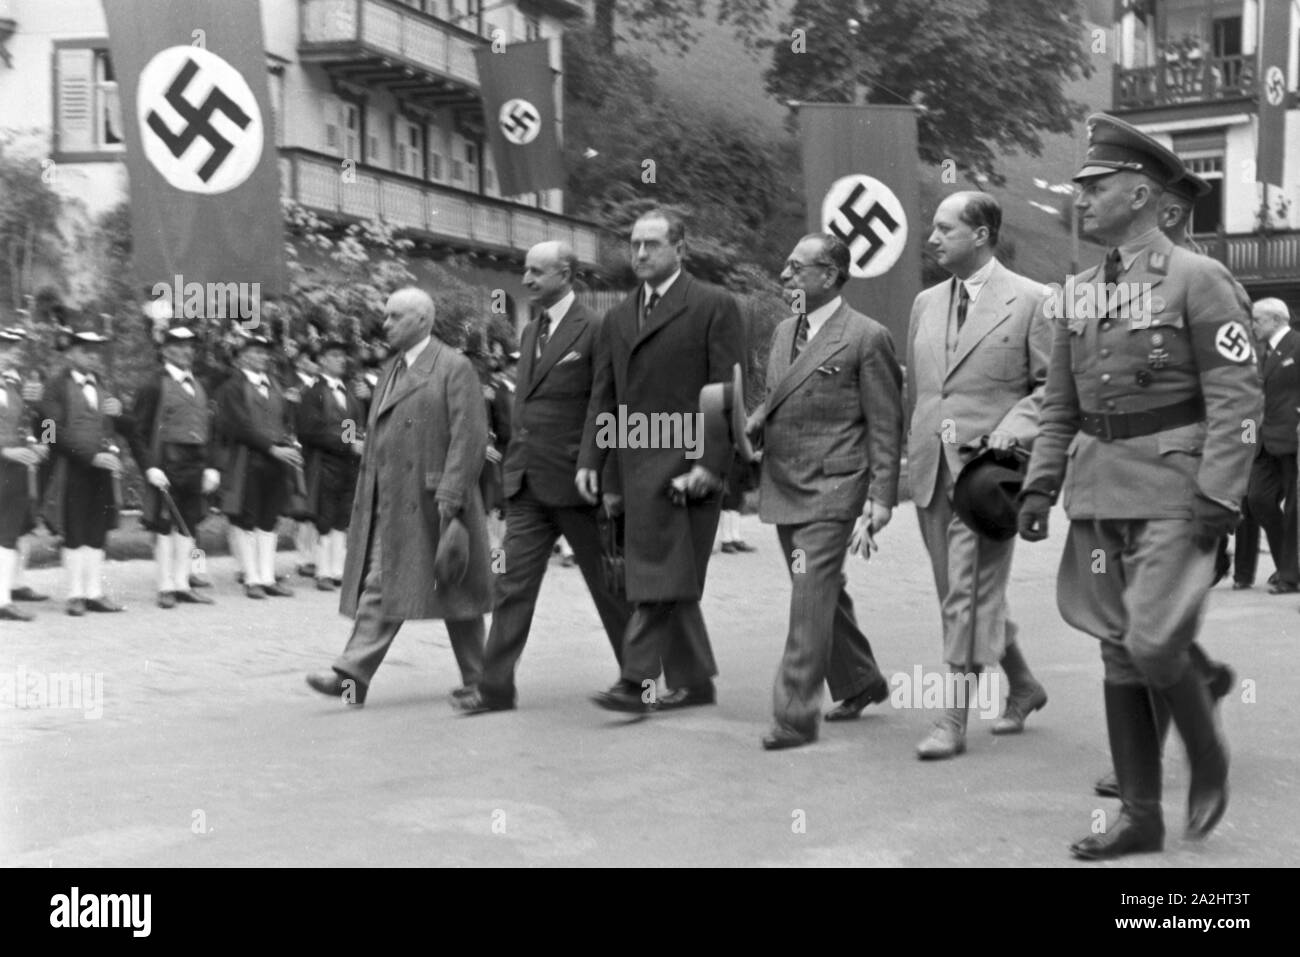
(206, 748)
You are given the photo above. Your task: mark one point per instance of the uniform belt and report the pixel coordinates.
(1108, 426)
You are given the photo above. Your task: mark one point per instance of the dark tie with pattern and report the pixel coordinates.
(963, 303)
(394, 379)
(543, 332)
(800, 337)
(649, 307)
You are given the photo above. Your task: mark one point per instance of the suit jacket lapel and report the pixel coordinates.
(672, 305)
(413, 378)
(558, 345)
(828, 341)
(527, 359)
(935, 323)
(1275, 356)
(990, 310)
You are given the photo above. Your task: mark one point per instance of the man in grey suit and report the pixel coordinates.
(977, 351)
(558, 352)
(831, 429)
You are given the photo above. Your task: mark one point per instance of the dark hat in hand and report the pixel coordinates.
(723, 407)
(984, 496)
(452, 561)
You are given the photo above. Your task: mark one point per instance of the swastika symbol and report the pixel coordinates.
(861, 226)
(1274, 86)
(198, 121)
(1232, 342)
(520, 122)
(867, 216)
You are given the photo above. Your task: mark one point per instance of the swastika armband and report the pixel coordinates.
(1224, 344)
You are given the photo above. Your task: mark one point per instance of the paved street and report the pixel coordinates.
(211, 750)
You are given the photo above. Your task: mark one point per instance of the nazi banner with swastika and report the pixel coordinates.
(860, 182)
(1270, 159)
(200, 148)
(519, 112)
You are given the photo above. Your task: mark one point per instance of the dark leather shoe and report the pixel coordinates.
(1242, 586)
(306, 571)
(851, 708)
(26, 593)
(278, 591)
(740, 545)
(103, 605)
(76, 607)
(625, 697)
(727, 548)
(1283, 588)
(334, 685)
(1107, 785)
(1272, 579)
(688, 697)
(476, 702)
(167, 599)
(1126, 836)
(193, 598)
(255, 591)
(324, 584)
(12, 612)
(779, 739)
(198, 581)
(1019, 706)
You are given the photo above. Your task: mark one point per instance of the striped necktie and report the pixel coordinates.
(800, 337)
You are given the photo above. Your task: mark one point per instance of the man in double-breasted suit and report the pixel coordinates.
(662, 345)
(417, 541)
(977, 349)
(558, 352)
(832, 428)
(1271, 494)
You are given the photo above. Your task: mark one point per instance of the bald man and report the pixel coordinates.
(417, 542)
(556, 360)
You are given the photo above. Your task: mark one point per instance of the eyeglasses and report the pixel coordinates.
(793, 266)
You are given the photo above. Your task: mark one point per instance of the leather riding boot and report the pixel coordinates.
(1188, 701)
(1135, 749)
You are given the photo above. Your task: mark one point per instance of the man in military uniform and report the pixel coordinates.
(331, 422)
(171, 440)
(19, 460)
(1176, 205)
(1151, 378)
(87, 469)
(256, 426)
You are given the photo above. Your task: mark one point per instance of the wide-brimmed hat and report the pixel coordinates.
(984, 495)
(723, 407)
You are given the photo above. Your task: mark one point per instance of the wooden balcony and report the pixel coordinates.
(1256, 256)
(388, 44)
(1200, 80)
(425, 210)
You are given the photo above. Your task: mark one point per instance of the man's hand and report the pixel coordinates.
(107, 461)
(358, 447)
(878, 516)
(112, 407)
(1210, 522)
(588, 483)
(613, 504)
(211, 481)
(862, 542)
(1032, 519)
(157, 478)
(754, 427)
(21, 455)
(287, 454)
(361, 389)
(1000, 440)
(700, 482)
(492, 454)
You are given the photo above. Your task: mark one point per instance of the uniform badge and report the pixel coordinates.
(1143, 378)
(1157, 358)
(1158, 263)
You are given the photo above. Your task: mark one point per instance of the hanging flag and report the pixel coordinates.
(860, 182)
(200, 152)
(1271, 149)
(519, 111)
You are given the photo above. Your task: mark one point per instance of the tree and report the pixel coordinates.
(29, 222)
(986, 76)
(671, 22)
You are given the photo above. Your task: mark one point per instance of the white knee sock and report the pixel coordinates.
(20, 563)
(340, 554)
(162, 554)
(265, 557)
(324, 554)
(241, 545)
(92, 569)
(8, 561)
(182, 547)
(72, 576)
(305, 541)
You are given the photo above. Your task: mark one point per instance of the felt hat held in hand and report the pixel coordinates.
(452, 561)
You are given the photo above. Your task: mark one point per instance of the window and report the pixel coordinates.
(410, 148)
(87, 111)
(1227, 36)
(343, 128)
(471, 166)
(532, 28)
(1207, 215)
(437, 152)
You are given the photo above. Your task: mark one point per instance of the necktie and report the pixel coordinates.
(89, 391)
(1114, 266)
(649, 307)
(1264, 351)
(394, 378)
(963, 303)
(543, 332)
(800, 337)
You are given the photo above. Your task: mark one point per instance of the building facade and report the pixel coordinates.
(1186, 72)
(376, 110)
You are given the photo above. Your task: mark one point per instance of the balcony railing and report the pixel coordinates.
(318, 182)
(1190, 80)
(1251, 256)
(360, 31)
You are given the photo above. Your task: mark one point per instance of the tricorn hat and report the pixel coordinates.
(984, 495)
(723, 407)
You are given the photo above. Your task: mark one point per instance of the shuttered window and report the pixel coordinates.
(87, 118)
